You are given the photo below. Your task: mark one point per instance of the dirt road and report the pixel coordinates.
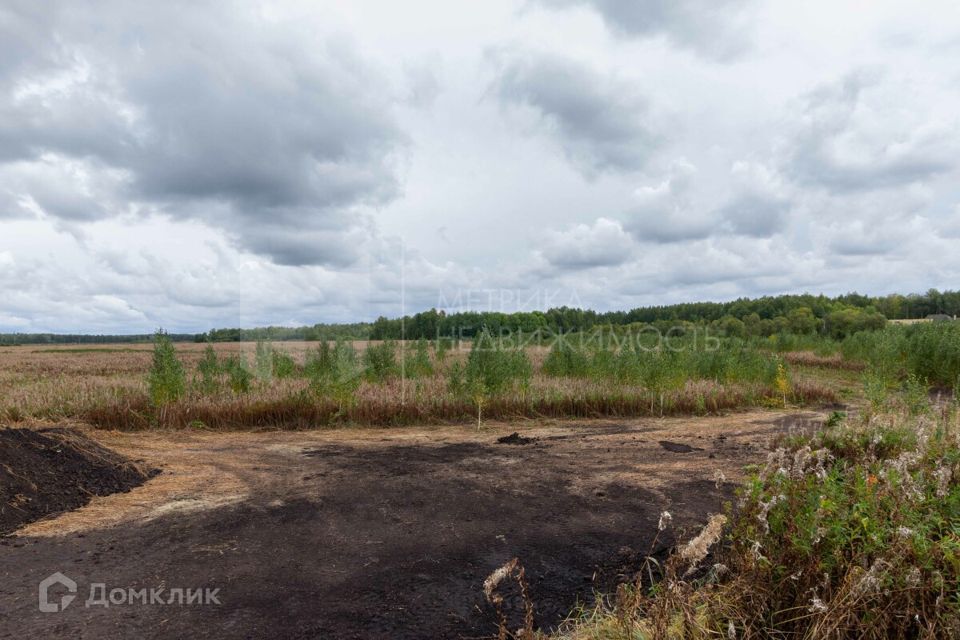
(372, 533)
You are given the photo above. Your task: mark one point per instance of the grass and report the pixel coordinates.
(244, 385)
(235, 385)
(853, 531)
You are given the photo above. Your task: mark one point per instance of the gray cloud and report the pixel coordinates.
(755, 215)
(855, 134)
(601, 124)
(719, 29)
(665, 213)
(602, 244)
(278, 132)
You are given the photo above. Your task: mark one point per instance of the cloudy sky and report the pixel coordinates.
(198, 164)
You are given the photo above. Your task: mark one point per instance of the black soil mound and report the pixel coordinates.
(515, 438)
(49, 471)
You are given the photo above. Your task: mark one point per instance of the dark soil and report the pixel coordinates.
(514, 438)
(50, 471)
(372, 540)
(678, 447)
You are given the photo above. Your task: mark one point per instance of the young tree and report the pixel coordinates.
(167, 381)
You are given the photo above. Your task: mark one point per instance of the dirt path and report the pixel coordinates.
(373, 533)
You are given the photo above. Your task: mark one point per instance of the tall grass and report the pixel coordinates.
(929, 351)
(853, 532)
(331, 383)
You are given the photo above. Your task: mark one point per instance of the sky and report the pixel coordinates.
(197, 164)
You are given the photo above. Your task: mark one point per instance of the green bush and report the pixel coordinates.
(284, 365)
(565, 359)
(209, 369)
(239, 376)
(167, 381)
(335, 373)
(418, 363)
(380, 362)
(490, 370)
(263, 362)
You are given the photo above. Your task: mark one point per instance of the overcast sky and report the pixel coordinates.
(199, 164)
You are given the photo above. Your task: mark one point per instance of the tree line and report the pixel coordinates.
(837, 316)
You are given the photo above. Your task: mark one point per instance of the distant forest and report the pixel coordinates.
(835, 316)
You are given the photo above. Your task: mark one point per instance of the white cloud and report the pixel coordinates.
(192, 165)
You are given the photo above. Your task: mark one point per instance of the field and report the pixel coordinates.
(107, 386)
(594, 466)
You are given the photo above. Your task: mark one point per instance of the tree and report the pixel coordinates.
(167, 381)
(801, 320)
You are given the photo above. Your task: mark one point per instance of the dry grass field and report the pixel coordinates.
(107, 386)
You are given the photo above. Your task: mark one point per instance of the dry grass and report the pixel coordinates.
(106, 387)
(810, 359)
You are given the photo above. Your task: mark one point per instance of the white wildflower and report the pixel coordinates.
(665, 520)
(697, 549)
(816, 605)
(943, 476)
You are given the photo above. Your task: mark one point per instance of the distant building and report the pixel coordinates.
(940, 317)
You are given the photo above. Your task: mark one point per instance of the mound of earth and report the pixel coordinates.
(49, 471)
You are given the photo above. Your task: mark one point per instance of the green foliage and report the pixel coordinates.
(418, 362)
(662, 365)
(238, 373)
(380, 362)
(284, 365)
(335, 373)
(858, 518)
(443, 345)
(565, 359)
(929, 351)
(263, 362)
(167, 381)
(209, 369)
(491, 370)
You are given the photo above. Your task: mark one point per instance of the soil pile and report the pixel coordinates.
(49, 471)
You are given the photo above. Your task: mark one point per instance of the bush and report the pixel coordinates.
(238, 375)
(284, 365)
(263, 362)
(167, 381)
(490, 370)
(850, 533)
(418, 364)
(566, 360)
(209, 369)
(335, 373)
(380, 362)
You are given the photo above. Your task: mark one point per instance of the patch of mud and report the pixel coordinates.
(50, 471)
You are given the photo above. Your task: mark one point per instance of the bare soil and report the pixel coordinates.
(49, 471)
(377, 533)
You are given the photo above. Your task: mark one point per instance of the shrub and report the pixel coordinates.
(565, 359)
(380, 361)
(167, 381)
(335, 373)
(238, 375)
(209, 369)
(284, 365)
(849, 533)
(263, 362)
(490, 370)
(418, 364)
